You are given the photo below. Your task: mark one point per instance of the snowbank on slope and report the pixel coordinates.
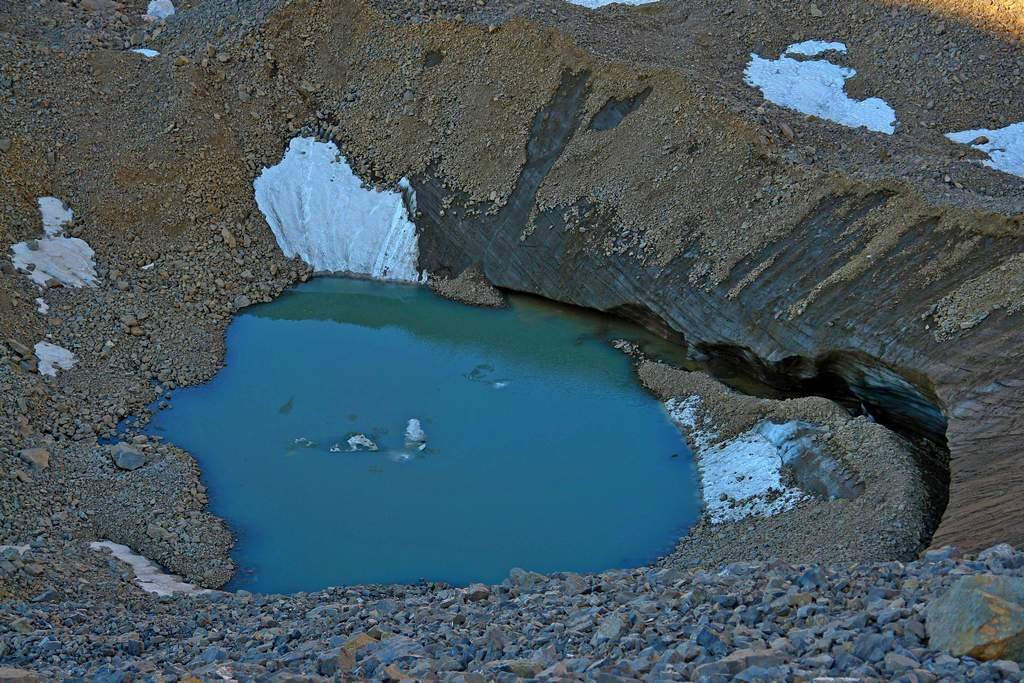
(319, 210)
(147, 575)
(68, 260)
(52, 358)
(742, 476)
(817, 87)
(1004, 146)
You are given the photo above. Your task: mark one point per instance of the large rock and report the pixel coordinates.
(980, 616)
(39, 458)
(8, 675)
(127, 457)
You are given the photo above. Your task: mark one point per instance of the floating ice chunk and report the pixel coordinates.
(52, 358)
(740, 477)
(817, 87)
(145, 52)
(42, 306)
(810, 48)
(594, 4)
(160, 9)
(415, 437)
(56, 216)
(67, 260)
(319, 210)
(1005, 146)
(148, 576)
(356, 442)
(304, 442)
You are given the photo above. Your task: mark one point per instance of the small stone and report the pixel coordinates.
(9, 675)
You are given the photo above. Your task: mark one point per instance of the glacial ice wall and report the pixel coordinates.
(320, 211)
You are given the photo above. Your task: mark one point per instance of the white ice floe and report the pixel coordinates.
(56, 216)
(817, 87)
(68, 260)
(1004, 146)
(160, 9)
(42, 306)
(319, 210)
(740, 477)
(145, 52)
(147, 575)
(52, 358)
(415, 437)
(356, 442)
(594, 4)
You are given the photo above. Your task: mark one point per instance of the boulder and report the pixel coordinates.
(127, 457)
(9, 675)
(980, 616)
(477, 592)
(39, 458)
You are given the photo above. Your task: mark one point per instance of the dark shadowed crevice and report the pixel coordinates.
(615, 110)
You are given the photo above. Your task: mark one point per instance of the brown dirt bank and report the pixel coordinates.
(808, 247)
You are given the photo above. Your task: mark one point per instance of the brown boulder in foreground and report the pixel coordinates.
(980, 616)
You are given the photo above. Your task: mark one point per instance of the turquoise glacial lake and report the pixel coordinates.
(536, 447)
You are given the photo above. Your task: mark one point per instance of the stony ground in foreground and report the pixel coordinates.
(745, 621)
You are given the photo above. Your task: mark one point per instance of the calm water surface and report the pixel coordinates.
(542, 451)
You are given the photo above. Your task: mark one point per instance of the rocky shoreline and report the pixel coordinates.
(747, 621)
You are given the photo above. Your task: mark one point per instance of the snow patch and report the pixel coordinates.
(1005, 146)
(145, 52)
(817, 87)
(160, 9)
(42, 306)
(56, 216)
(52, 358)
(740, 477)
(147, 575)
(812, 48)
(319, 210)
(68, 260)
(594, 4)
